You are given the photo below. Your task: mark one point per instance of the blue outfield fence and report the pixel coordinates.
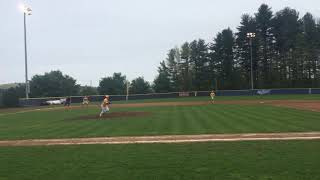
(98, 98)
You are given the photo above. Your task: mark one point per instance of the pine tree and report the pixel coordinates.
(286, 28)
(172, 64)
(162, 83)
(247, 24)
(224, 49)
(199, 57)
(286, 53)
(264, 41)
(186, 68)
(310, 49)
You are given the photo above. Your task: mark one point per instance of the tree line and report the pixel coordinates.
(285, 53)
(56, 84)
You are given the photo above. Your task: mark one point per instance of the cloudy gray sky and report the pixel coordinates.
(90, 39)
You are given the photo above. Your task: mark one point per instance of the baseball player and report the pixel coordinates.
(85, 101)
(105, 105)
(67, 103)
(212, 95)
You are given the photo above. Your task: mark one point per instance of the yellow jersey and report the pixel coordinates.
(105, 102)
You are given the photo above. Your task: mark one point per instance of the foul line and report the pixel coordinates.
(167, 139)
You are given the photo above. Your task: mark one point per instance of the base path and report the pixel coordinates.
(166, 139)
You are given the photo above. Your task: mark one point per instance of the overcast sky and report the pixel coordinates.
(90, 39)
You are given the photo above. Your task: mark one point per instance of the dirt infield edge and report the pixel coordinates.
(167, 139)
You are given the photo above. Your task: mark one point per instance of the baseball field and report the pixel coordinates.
(248, 137)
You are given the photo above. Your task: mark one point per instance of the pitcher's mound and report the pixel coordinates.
(111, 115)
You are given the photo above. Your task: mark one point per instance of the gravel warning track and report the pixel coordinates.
(166, 139)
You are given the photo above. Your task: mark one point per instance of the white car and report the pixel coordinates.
(264, 91)
(56, 102)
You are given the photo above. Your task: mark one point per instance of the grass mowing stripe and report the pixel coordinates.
(236, 120)
(247, 121)
(221, 125)
(227, 123)
(183, 122)
(206, 121)
(273, 120)
(287, 119)
(161, 125)
(216, 118)
(243, 121)
(193, 120)
(277, 160)
(175, 121)
(196, 119)
(269, 122)
(213, 121)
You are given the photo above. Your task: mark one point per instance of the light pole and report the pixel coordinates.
(251, 36)
(26, 12)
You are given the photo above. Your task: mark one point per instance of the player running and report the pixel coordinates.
(105, 105)
(85, 101)
(67, 103)
(212, 95)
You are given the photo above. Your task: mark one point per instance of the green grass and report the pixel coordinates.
(188, 99)
(270, 160)
(164, 120)
(227, 98)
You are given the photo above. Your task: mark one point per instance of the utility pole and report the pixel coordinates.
(128, 85)
(251, 36)
(26, 11)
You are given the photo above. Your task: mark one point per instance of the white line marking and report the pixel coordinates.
(166, 139)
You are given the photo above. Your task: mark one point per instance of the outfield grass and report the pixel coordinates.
(227, 98)
(205, 119)
(188, 99)
(291, 160)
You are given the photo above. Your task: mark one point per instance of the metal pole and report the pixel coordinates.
(127, 97)
(251, 65)
(26, 55)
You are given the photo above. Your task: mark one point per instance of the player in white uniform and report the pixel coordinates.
(85, 101)
(105, 105)
(212, 95)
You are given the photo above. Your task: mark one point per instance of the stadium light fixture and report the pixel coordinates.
(251, 36)
(27, 11)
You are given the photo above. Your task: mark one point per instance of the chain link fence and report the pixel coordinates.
(99, 98)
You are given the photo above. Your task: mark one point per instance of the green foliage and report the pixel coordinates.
(242, 55)
(53, 84)
(162, 82)
(10, 97)
(115, 85)
(139, 86)
(185, 68)
(199, 59)
(88, 90)
(285, 51)
(264, 47)
(223, 51)
(173, 61)
(1, 94)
